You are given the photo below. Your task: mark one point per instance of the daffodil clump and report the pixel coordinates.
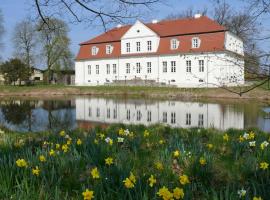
(135, 163)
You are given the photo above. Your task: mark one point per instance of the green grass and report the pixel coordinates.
(230, 165)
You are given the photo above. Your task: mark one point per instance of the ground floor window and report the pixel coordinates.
(173, 66)
(164, 64)
(138, 68)
(108, 68)
(128, 68)
(149, 69)
(114, 68)
(188, 65)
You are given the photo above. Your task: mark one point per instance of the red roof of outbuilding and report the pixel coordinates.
(210, 32)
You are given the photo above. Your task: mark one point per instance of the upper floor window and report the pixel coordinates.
(149, 67)
(188, 65)
(94, 50)
(128, 47)
(138, 44)
(173, 66)
(89, 69)
(196, 42)
(109, 49)
(128, 68)
(108, 68)
(149, 45)
(164, 64)
(201, 65)
(114, 68)
(174, 43)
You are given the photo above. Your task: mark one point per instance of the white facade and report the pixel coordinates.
(139, 61)
(172, 113)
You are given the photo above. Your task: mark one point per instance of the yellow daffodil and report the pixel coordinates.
(152, 181)
(65, 148)
(21, 163)
(69, 141)
(79, 142)
(159, 166)
(101, 136)
(57, 146)
(62, 133)
(165, 193)
(202, 161)
(121, 131)
(95, 141)
(109, 161)
(264, 165)
(257, 198)
(264, 145)
(36, 171)
(52, 152)
(132, 177)
(178, 193)
(161, 141)
(88, 194)
(146, 133)
(128, 183)
(42, 158)
(241, 138)
(176, 153)
(251, 135)
(95, 173)
(226, 137)
(184, 179)
(210, 146)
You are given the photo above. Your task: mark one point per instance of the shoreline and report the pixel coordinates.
(52, 91)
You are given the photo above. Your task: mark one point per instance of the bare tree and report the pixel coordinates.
(25, 42)
(54, 43)
(103, 11)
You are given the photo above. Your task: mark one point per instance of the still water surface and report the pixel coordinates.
(87, 112)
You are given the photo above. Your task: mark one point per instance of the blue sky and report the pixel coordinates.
(16, 10)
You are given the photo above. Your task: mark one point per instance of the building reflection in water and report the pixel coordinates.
(99, 111)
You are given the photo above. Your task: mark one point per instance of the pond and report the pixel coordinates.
(88, 112)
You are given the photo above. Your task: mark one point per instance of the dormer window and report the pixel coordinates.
(109, 49)
(196, 42)
(174, 43)
(94, 50)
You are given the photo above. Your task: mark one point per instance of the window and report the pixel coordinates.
(164, 64)
(94, 50)
(138, 44)
(173, 66)
(164, 117)
(114, 113)
(97, 69)
(108, 113)
(196, 42)
(188, 119)
(201, 65)
(89, 69)
(90, 112)
(138, 68)
(114, 68)
(108, 68)
(188, 65)
(139, 115)
(200, 121)
(173, 118)
(149, 67)
(128, 47)
(128, 115)
(98, 112)
(149, 116)
(149, 45)
(128, 68)
(109, 49)
(174, 44)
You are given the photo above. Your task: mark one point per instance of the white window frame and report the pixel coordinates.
(138, 46)
(174, 43)
(165, 66)
(114, 68)
(109, 49)
(173, 66)
(201, 65)
(149, 45)
(89, 69)
(108, 68)
(138, 68)
(128, 47)
(94, 50)
(127, 68)
(196, 42)
(149, 67)
(97, 69)
(188, 66)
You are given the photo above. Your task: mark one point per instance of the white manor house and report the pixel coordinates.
(191, 52)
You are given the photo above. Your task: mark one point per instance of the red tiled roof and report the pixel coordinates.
(211, 34)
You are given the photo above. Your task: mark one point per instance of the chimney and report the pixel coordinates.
(119, 25)
(154, 21)
(197, 16)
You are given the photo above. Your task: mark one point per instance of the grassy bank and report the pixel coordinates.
(154, 163)
(261, 93)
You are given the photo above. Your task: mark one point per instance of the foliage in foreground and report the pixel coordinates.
(135, 162)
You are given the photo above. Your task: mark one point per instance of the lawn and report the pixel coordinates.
(135, 162)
